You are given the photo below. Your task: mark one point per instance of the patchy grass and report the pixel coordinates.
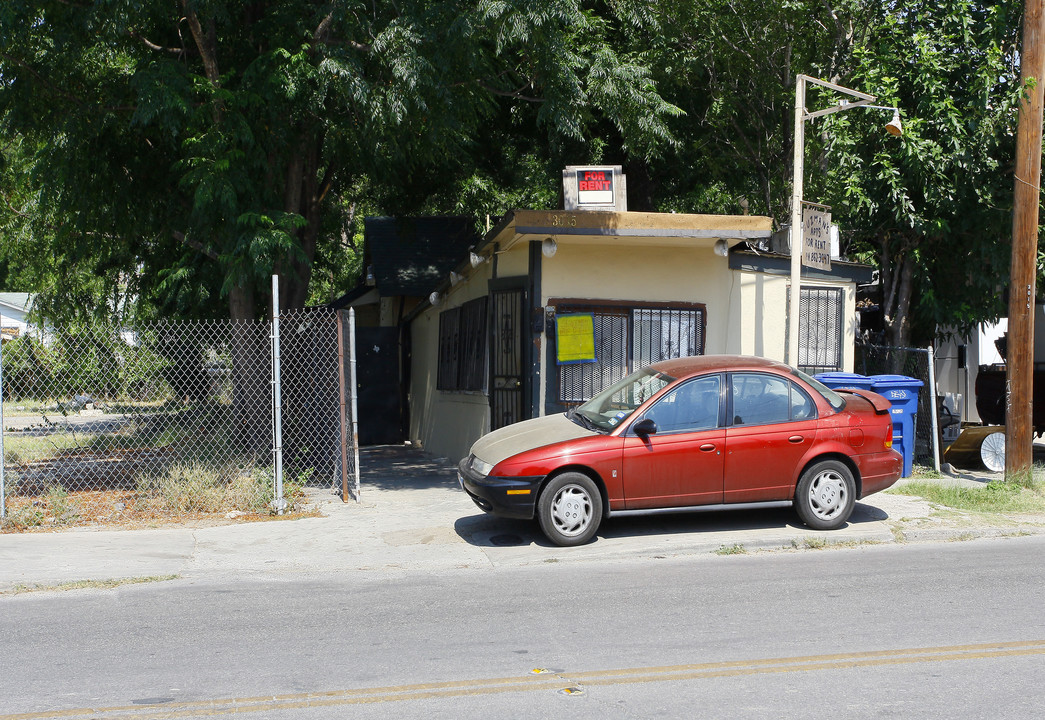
(924, 471)
(89, 584)
(50, 440)
(992, 497)
(734, 549)
(812, 542)
(21, 449)
(52, 509)
(192, 492)
(30, 408)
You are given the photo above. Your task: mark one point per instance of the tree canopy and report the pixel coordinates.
(180, 152)
(931, 209)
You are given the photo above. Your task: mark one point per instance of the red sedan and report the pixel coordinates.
(696, 433)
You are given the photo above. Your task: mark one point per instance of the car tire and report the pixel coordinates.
(825, 495)
(570, 509)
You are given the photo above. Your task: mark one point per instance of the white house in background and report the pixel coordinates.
(14, 310)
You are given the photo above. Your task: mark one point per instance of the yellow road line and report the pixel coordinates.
(530, 683)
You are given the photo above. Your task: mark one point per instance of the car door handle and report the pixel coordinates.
(795, 439)
(707, 447)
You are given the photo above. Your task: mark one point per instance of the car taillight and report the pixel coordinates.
(889, 442)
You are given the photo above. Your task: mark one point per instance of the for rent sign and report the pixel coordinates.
(595, 187)
(816, 237)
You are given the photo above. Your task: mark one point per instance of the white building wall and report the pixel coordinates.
(442, 422)
(746, 314)
(758, 316)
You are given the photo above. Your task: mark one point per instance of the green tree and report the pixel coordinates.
(730, 65)
(931, 209)
(184, 151)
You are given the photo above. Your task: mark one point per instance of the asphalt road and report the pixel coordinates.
(951, 630)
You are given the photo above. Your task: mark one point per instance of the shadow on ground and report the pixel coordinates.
(391, 467)
(483, 530)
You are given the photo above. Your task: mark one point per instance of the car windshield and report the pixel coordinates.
(836, 401)
(613, 405)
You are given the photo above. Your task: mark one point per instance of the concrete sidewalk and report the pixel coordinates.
(413, 518)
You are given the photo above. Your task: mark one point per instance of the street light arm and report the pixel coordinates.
(838, 88)
(840, 108)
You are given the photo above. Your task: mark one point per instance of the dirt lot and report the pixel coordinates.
(125, 509)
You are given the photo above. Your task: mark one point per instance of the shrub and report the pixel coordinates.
(195, 486)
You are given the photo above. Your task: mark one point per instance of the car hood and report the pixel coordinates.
(527, 435)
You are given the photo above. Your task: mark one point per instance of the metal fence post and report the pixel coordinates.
(343, 412)
(279, 503)
(353, 390)
(3, 478)
(932, 410)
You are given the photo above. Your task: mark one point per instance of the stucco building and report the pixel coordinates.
(486, 345)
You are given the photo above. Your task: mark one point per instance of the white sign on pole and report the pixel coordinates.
(816, 237)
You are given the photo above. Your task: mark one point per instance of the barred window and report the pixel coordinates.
(820, 327)
(628, 339)
(462, 347)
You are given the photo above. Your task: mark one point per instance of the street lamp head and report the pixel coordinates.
(893, 127)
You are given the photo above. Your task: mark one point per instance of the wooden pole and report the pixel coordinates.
(1020, 360)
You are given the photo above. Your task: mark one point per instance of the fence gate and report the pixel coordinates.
(507, 357)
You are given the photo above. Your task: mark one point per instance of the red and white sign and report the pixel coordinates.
(594, 187)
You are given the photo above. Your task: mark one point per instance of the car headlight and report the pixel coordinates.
(479, 467)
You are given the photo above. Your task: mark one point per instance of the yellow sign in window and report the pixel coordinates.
(575, 338)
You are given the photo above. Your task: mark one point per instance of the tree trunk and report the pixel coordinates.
(303, 196)
(897, 311)
(241, 301)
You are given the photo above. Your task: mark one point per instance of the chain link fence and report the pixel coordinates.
(912, 362)
(172, 419)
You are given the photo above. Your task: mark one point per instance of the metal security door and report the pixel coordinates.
(378, 386)
(507, 357)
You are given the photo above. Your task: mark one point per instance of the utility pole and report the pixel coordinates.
(1023, 271)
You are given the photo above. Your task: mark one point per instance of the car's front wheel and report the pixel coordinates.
(570, 509)
(825, 495)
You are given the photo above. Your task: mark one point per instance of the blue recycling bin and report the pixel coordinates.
(902, 392)
(844, 380)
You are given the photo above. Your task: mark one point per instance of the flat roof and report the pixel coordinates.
(626, 228)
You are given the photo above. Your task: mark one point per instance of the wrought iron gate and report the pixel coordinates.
(507, 357)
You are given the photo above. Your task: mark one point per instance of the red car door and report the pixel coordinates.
(773, 425)
(681, 463)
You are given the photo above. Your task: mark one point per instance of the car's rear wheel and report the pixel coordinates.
(570, 509)
(825, 495)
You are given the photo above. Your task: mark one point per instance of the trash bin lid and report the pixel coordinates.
(842, 379)
(896, 381)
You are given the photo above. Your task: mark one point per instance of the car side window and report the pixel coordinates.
(802, 407)
(760, 399)
(689, 407)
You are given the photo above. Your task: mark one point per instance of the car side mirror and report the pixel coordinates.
(645, 427)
